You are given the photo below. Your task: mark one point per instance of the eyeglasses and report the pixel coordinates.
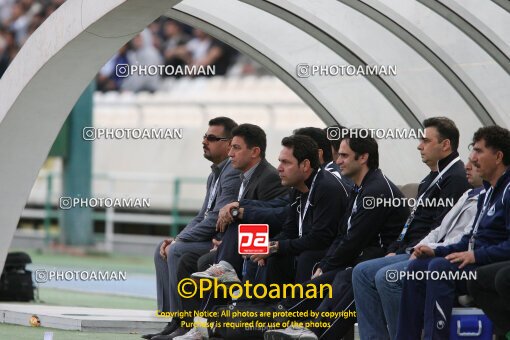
(213, 138)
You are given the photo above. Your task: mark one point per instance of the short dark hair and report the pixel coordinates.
(253, 136)
(496, 138)
(446, 129)
(227, 123)
(335, 143)
(320, 137)
(303, 147)
(364, 145)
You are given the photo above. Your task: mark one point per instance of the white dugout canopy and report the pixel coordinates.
(452, 59)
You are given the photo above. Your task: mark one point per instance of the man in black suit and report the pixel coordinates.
(263, 184)
(259, 181)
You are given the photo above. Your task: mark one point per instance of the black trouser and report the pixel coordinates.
(255, 275)
(228, 249)
(277, 270)
(343, 300)
(302, 303)
(188, 264)
(206, 260)
(491, 291)
(282, 269)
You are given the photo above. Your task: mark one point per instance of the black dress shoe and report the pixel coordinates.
(169, 328)
(178, 332)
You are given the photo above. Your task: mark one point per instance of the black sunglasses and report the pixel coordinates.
(213, 138)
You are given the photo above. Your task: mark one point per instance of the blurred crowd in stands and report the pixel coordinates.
(19, 19)
(164, 42)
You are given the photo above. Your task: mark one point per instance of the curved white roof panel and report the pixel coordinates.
(452, 59)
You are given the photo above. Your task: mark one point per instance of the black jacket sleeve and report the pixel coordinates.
(364, 228)
(273, 212)
(328, 209)
(452, 188)
(289, 228)
(273, 216)
(274, 203)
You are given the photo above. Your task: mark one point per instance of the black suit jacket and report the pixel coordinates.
(264, 184)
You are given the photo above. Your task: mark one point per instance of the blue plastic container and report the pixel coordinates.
(470, 323)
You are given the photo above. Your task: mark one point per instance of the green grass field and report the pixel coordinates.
(132, 264)
(59, 297)
(13, 332)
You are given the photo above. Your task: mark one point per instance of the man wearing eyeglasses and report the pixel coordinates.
(222, 187)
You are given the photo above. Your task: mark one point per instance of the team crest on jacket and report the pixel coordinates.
(492, 210)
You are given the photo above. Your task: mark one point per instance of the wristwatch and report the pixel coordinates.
(273, 247)
(234, 212)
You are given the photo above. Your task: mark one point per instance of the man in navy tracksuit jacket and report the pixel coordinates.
(319, 202)
(446, 182)
(428, 304)
(451, 186)
(365, 232)
(328, 203)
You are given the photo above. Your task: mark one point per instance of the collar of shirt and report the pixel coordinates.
(442, 163)
(216, 169)
(245, 176)
(369, 174)
(309, 180)
(476, 191)
(332, 166)
(502, 181)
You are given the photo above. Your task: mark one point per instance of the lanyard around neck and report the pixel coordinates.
(438, 177)
(418, 202)
(244, 184)
(302, 217)
(486, 203)
(212, 193)
(354, 209)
